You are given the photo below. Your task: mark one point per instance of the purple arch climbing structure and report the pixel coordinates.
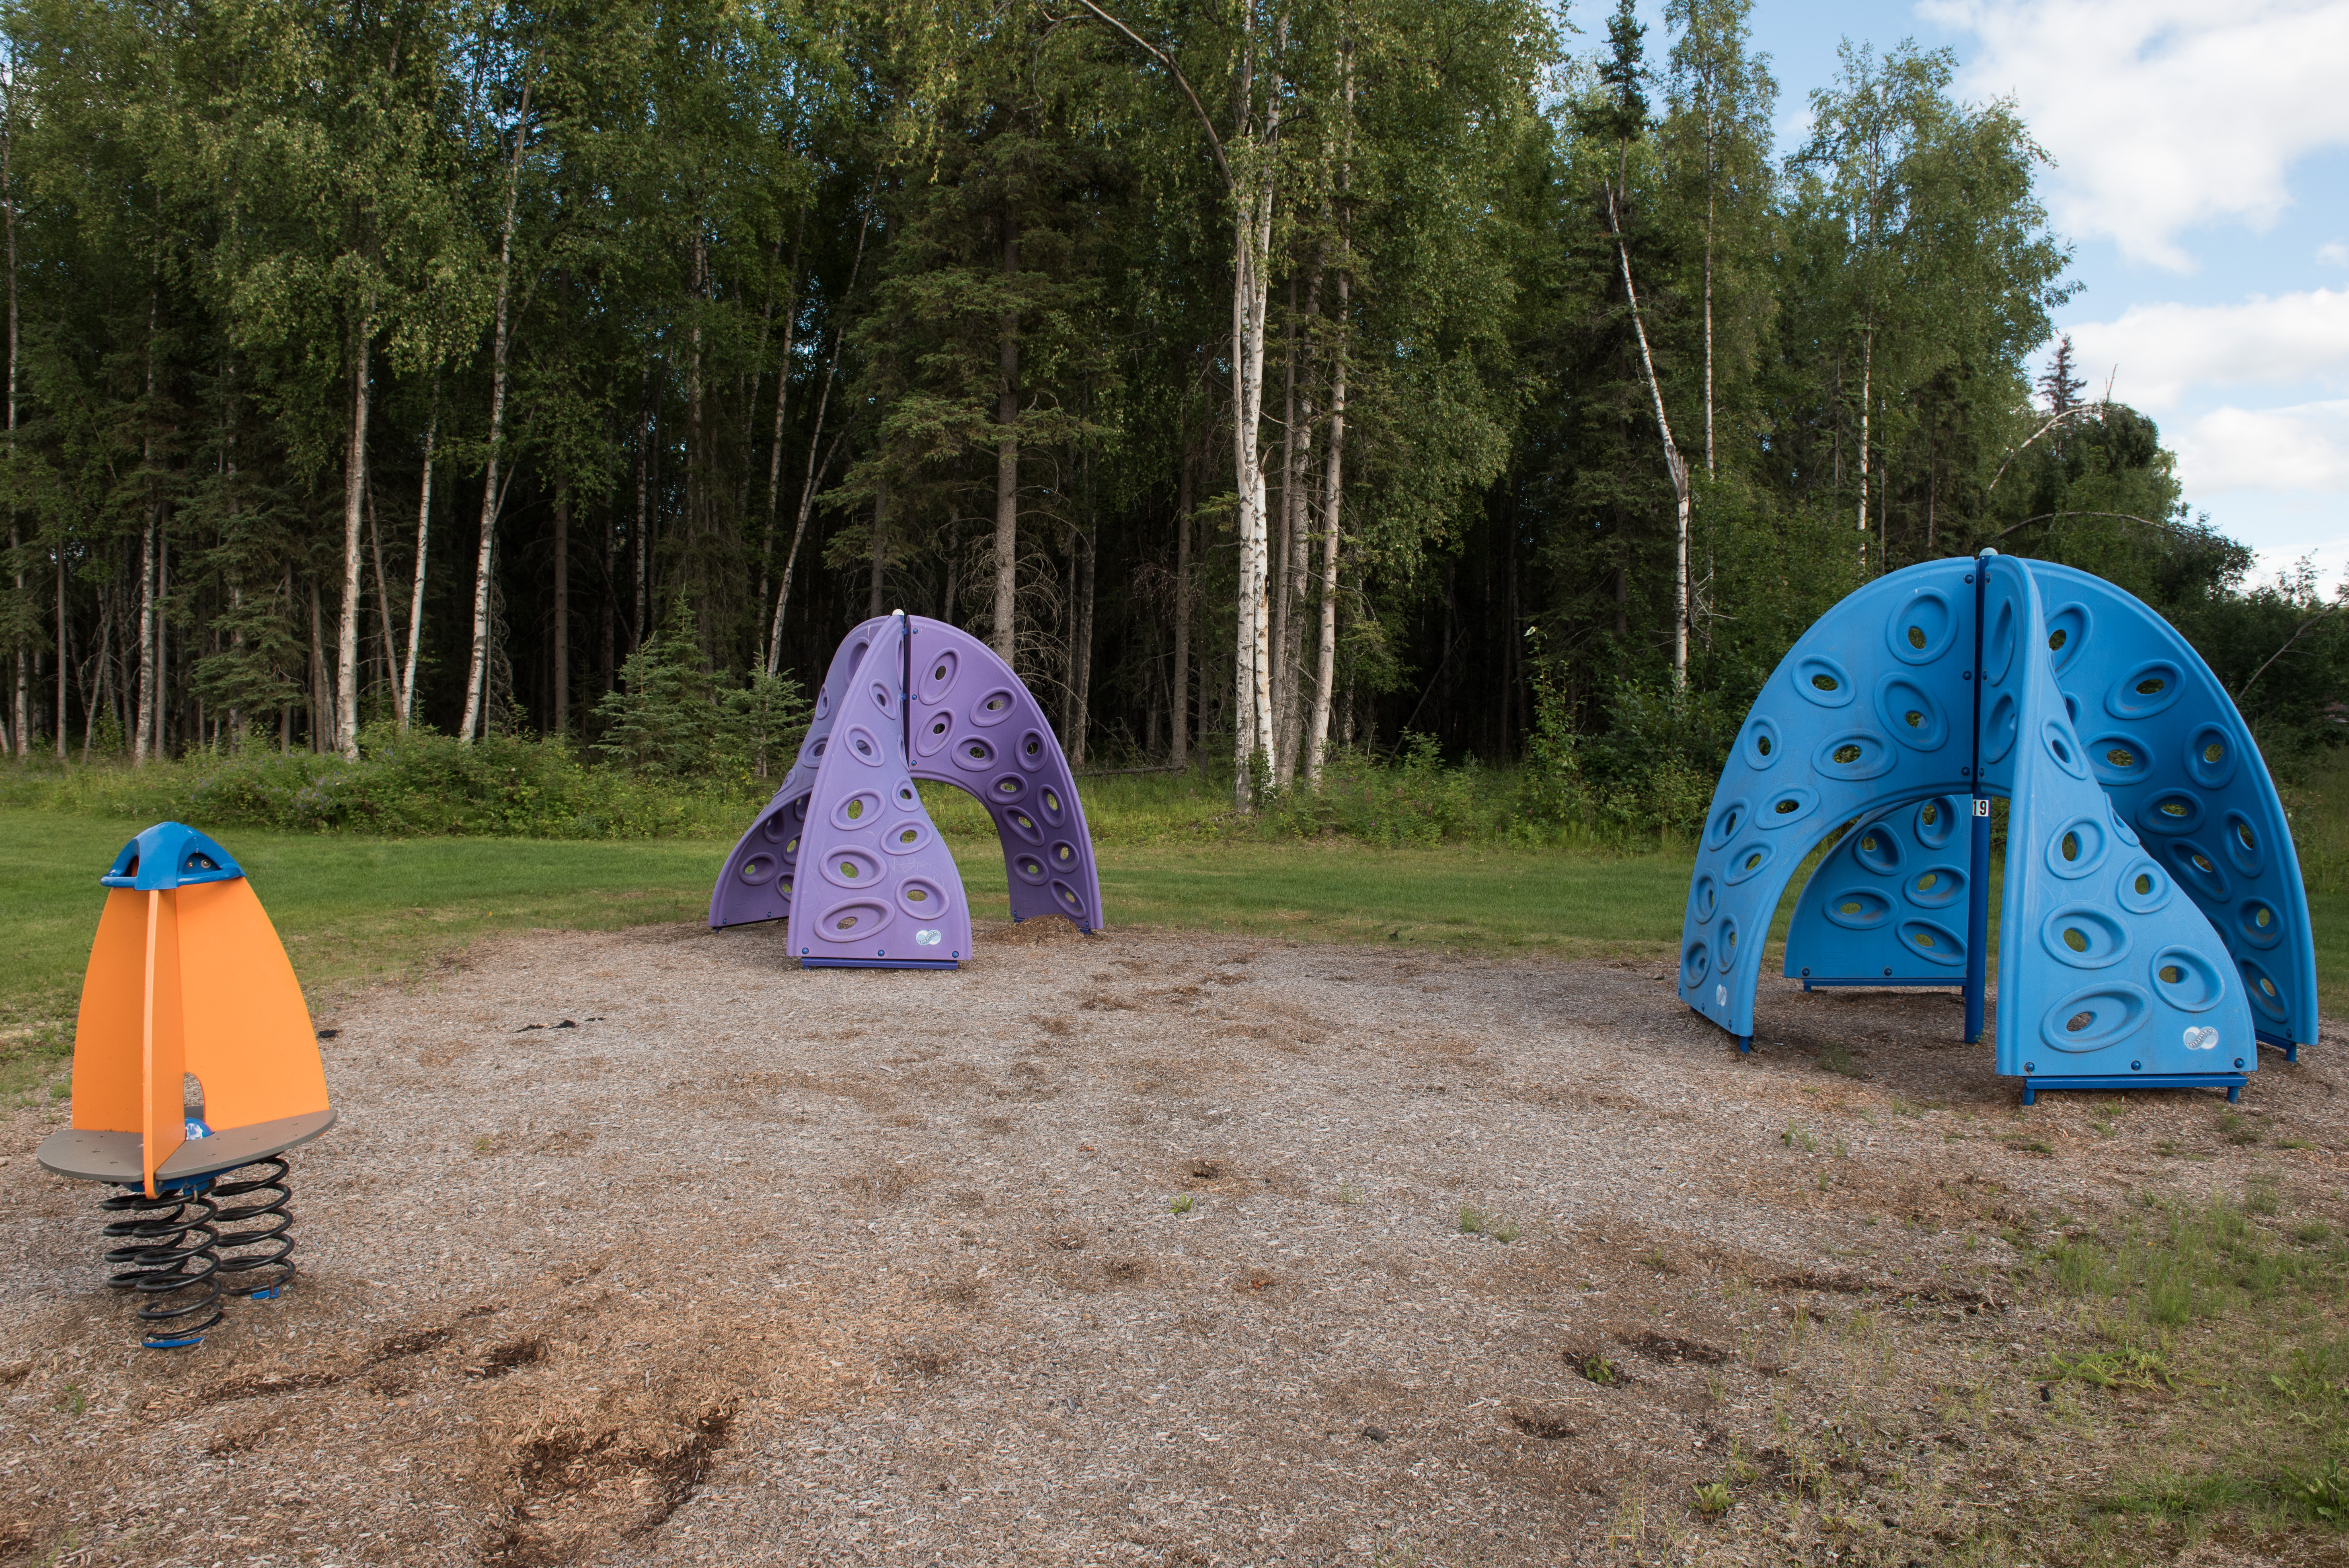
(756, 882)
(970, 723)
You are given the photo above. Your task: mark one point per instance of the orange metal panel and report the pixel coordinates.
(165, 1056)
(250, 1040)
(109, 1062)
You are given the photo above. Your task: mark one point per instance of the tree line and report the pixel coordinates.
(1261, 377)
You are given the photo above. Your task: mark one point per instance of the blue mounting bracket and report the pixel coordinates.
(2231, 1082)
(2291, 1048)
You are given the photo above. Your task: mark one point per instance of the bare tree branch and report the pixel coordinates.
(1214, 142)
(2244, 690)
(2066, 414)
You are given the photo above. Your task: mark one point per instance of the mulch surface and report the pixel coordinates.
(727, 1261)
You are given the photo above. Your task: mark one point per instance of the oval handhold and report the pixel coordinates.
(1855, 755)
(864, 745)
(1760, 742)
(2266, 995)
(757, 869)
(1696, 963)
(852, 922)
(973, 755)
(1911, 714)
(2199, 871)
(1933, 942)
(2146, 690)
(851, 868)
(1822, 680)
(1704, 898)
(1746, 861)
(2185, 979)
(2258, 924)
(2077, 848)
(1934, 887)
(2241, 842)
(930, 737)
(1726, 822)
(2067, 630)
(1876, 847)
(1937, 821)
(937, 676)
(906, 838)
(2211, 756)
(2117, 761)
(2065, 748)
(2170, 811)
(1032, 753)
(861, 809)
(1789, 805)
(922, 898)
(2084, 937)
(2097, 1016)
(1998, 731)
(993, 708)
(2143, 888)
(1859, 909)
(1921, 630)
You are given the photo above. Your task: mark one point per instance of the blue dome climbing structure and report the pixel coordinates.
(2153, 927)
(846, 851)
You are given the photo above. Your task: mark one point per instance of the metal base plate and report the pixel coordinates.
(91, 1156)
(2231, 1082)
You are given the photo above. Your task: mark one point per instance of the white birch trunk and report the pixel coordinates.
(347, 642)
(1325, 673)
(423, 543)
(1676, 465)
(478, 675)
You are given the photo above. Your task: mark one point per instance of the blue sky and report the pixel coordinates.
(2201, 172)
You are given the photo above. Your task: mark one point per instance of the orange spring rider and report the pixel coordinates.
(195, 1068)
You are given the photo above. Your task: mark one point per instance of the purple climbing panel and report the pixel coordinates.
(756, 883)
(973, 725)
(977, 727)
(875, 885)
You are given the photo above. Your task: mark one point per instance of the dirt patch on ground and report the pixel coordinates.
(1476, 1262)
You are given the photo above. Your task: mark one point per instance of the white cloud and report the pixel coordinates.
(2163, 114)
(2304, 448)
(2337, 253)
(2167, 353)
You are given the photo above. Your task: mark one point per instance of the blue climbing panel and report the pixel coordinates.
(2151, 912)
(2164, 742)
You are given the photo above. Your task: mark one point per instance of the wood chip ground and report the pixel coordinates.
(730, 1262)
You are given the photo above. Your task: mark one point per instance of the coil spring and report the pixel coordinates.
(171, 1263)
(268, 1240)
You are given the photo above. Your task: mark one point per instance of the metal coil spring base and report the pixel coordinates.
(171, 1254)
(268, 1240)
(192, 1239)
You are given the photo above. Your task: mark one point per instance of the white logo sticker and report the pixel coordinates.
(1721, 996)
(2202, 1040)
(927, 938)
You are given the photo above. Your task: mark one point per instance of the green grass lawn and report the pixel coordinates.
(353, 908)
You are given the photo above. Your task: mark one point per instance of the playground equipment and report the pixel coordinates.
(187, 980)
(2131, 780)
(846, 842)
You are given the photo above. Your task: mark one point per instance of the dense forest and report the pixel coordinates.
(1263, 377)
